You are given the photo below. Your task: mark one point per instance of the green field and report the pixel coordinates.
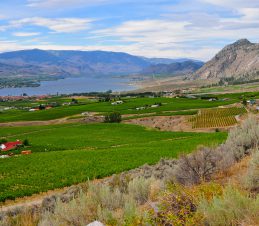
(68, 154)
(128, 107)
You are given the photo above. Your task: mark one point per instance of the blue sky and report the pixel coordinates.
(152, 28)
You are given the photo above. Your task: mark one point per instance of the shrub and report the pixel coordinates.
(139, 189)
(113, 117)
(232, 208)
(42, 107)
(27, 218)
(197, 167)
(104, 196)
(241, 140)
(226, 157)
(178, 204)
(26, 142)
(244, 102)
(130, 211)
(176, 207)
(3, 140)
(252, 179)
(102, 202)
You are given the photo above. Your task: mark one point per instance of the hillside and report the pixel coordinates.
(72, 62)
(239, 60)
(175, 68)
(32, 63)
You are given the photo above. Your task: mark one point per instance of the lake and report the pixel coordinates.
(72, 85)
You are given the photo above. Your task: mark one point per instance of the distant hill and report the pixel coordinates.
(173, 69)
(239, 61)
(36, 62)
(155, 61)
(71, 63)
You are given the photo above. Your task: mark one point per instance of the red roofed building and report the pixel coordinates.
(10, 145)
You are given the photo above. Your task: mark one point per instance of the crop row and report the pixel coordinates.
(218, 112)
(220, 117)
(202, 122)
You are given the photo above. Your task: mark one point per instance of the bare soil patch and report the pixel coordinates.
(168, 123)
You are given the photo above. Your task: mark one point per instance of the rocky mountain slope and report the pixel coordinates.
(239, 60)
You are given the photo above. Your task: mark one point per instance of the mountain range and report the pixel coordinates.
(27, 63)
(173, 69)
(239, 61)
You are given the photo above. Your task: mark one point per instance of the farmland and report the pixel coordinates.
(219, 117)
(65, 155)
(128, 107)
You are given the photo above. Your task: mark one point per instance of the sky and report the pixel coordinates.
(195, 29)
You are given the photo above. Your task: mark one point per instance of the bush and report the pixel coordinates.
(178, 204)
(113, 117)
(252, 179)
(104, 203)
(232, 208)
(139, 189)
(241, 140)
(226, 157)
(197, 167)
(26, 142)
(3, 140)
(176, 207)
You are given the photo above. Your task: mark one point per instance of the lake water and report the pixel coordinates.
(72, 85)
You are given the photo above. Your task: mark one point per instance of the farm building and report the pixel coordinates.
(117, 102)
(10, 145)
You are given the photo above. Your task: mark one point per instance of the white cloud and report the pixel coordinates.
(188, 37)
(234, 3)
(250, 14)
(59, 25)
(63, 3)
(148, 31)
(6, 46)
(25, 34)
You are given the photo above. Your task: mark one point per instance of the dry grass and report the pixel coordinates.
(233, 174)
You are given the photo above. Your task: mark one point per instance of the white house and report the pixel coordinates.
(140, 108)
(2, 146)
(117, 102)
